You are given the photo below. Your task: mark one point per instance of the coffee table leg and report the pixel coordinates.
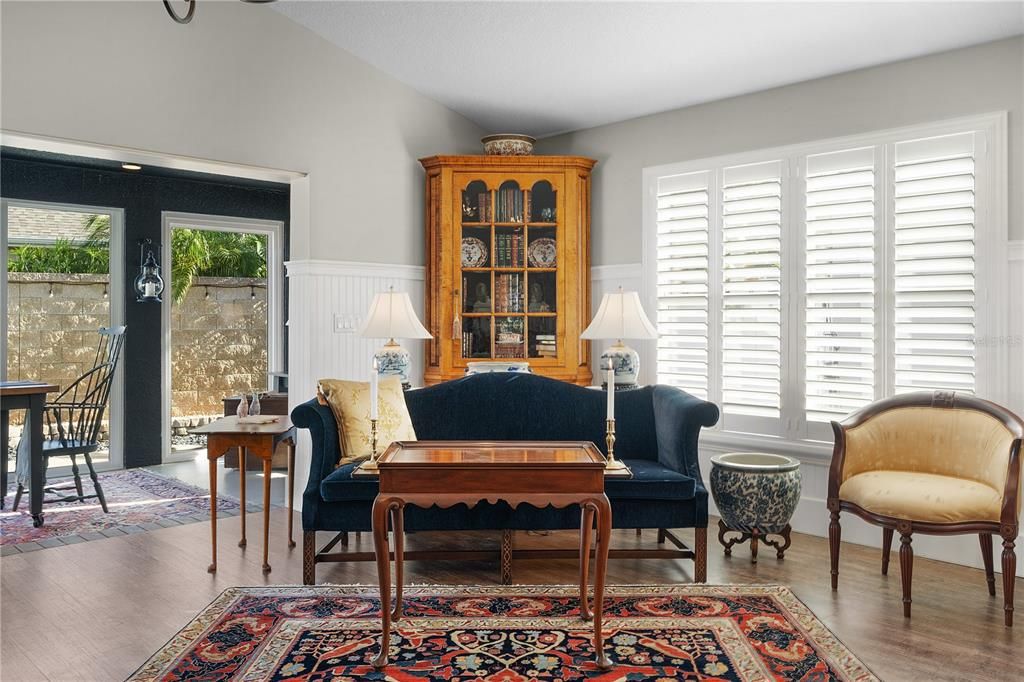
(291, 491)
(398, 526)
(241, 491)
(604, 537)
(266, 515)
(379, 524)
(213, 512)
(586, 530)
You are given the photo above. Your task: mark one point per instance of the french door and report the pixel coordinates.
(222, 318)
(64, 280)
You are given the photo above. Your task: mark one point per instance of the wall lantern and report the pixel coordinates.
(148, 284)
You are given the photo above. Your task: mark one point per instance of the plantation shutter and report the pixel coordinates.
(752, 290)
(682, 294)
(934, 267)
(839, 205)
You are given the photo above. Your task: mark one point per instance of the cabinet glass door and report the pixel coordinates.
(508, 267)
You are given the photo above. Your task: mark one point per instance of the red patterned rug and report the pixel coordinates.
(138, 501)
(506, 634)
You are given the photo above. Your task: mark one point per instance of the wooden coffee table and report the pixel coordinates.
(446, 473)
(226, 434)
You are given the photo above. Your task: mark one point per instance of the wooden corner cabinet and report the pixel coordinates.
(508, 263)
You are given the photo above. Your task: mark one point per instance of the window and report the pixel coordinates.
(795, 286)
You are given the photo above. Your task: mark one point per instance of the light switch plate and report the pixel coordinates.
(345, 323)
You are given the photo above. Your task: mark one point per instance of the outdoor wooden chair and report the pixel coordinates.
(74, 419)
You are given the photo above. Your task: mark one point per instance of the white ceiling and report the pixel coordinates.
(548, 67)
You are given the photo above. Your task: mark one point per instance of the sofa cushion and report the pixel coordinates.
(341, 487)
(520, 406)
(923, 497)
(350, 402)
(651, 481)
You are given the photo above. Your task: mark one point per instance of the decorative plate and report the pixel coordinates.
(542, 253)
(474, 252)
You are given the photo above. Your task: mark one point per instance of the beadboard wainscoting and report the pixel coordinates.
(327, 301)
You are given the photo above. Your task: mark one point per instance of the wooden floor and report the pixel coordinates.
(97, 610)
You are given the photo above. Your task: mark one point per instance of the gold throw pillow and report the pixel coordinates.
(350, 402)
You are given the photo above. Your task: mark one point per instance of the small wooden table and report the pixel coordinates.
(31, 396)
(258, 439)
(447, 473)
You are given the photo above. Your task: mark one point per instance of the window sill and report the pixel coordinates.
(804, 450)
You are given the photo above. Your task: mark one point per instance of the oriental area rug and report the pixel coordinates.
(506, 634)
(138, 501)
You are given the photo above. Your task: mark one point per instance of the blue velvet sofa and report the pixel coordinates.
(656, 435)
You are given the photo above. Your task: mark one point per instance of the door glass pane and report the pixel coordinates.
(58, 296)
(219, 325)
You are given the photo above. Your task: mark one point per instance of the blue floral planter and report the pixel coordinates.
(756, 495)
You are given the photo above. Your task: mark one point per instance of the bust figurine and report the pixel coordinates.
(481, 301)
(537, 303)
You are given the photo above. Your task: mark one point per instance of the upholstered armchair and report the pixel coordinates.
(939, 463)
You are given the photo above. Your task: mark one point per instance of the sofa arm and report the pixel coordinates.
(678, 418)
(323, 431)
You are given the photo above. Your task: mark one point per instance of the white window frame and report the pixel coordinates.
(991, 244)
(273, 230)
(116, 292)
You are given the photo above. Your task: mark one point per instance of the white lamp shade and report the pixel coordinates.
(620, 317)
(391, 317)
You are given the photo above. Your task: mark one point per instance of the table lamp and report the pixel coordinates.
(391, 317)
(619, 317)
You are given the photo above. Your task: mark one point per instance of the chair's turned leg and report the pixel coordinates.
(309, 557)
(639, 532)
(986, 558)
(1009, 576)
(344, 538)
(906, 568)
(96, 484)
(17, 497)
(78, 478)
(886, 549)
(700, 554)
(834, 535)
(506, 557)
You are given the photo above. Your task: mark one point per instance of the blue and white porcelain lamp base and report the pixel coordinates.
(393, 361)
(626, 362)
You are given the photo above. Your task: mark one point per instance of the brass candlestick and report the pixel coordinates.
(609, 440)
(371, 464)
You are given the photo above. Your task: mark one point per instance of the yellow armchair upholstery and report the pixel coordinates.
(930, 462)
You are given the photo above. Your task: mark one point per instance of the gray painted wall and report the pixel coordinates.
(240, 84)
(974, 80)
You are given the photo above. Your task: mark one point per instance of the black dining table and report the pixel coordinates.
(30, 396)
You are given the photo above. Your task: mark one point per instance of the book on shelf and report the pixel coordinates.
(509, 249)
(483, 204)
(509, 207)
(508, 293)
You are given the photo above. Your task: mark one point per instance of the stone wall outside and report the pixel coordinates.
(218, 344)
(218, 340)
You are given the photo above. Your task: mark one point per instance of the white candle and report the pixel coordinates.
(150, 289)
(611, 389)
(373, 388)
